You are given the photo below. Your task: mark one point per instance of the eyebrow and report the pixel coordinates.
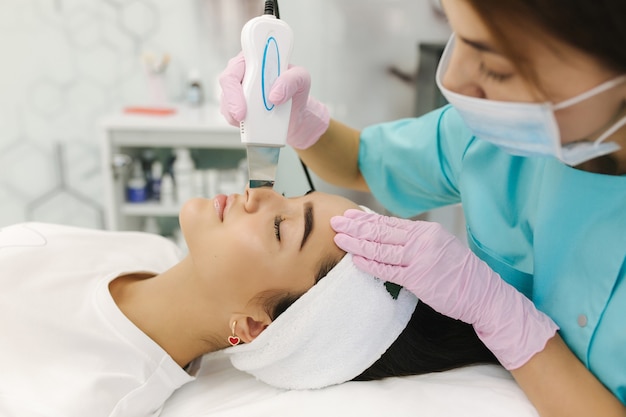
(308, 222)
(481, 46)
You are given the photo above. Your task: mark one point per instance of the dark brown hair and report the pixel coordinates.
(597, 27)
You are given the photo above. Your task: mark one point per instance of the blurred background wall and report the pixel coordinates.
(66, 64)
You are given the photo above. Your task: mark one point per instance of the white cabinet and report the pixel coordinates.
(213, 143)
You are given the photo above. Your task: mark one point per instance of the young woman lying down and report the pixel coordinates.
(105, 323)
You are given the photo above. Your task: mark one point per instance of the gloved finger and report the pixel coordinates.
(379, 252)
(400, 231)
(295, 84)
(375, 229)
(233, 102)
(365, 216)
(355, 216)
(225, 110)
(391, 273)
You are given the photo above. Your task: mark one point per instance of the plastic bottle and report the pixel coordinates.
(211, 182)
(195, 93)
(168, 197)
(136, 186)
(183, 169)
(151, 225)
(198, 183)
(156, 177)
(148, 156)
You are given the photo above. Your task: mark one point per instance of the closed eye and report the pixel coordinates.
(494, 75)
(277, 221)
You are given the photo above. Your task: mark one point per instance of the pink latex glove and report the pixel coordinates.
(309, 118)
(443, 273)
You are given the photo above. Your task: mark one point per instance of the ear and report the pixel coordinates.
(248, 327)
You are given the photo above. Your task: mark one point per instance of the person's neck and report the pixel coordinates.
(172, 311)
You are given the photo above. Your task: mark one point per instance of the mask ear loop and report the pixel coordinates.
(607, 85)
(618, 125)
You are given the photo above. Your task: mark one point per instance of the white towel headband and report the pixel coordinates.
(330, 335)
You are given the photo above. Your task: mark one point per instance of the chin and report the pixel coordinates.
(196, 212)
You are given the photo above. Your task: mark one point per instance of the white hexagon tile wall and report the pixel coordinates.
(64, 65)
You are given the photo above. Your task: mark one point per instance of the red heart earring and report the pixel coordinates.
(234, 340)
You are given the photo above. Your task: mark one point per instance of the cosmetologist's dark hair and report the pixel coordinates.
(597, 27)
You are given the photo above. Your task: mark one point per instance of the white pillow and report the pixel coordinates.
(480, 390)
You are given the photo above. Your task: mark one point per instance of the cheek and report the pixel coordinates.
(237, 250)
(584, 119)
(240, 266)
(572, 126)
(514, 90)
(245, 244)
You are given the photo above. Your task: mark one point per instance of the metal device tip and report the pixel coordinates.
(261, 183)
(262, 163)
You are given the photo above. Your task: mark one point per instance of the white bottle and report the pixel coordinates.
(183, 168)
(151, 225)
(198, 183)
(168, 197)
(195, 94)
(155, 181)
(211, 182)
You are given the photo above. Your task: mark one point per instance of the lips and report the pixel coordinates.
(219, 202)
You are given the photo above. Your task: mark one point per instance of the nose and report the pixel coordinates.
(256, 198)
(462, 74)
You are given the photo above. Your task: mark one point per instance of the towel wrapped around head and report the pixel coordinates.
(330, 335)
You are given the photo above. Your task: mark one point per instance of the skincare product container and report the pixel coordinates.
(155, 180)
(167, 190)
(183, 169)
(136, 191)
(195, 93)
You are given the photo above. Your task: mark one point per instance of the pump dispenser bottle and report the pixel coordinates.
(183, 175)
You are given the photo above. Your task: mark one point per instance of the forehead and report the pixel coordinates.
(522, 35)
(325, 206)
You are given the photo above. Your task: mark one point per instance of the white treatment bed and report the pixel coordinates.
(477, 391)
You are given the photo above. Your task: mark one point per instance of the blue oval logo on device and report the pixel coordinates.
(270, 70)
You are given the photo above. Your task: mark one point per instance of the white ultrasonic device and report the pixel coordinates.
(266, 42)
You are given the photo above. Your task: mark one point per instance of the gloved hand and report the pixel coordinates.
(443, 273)
(309, 118)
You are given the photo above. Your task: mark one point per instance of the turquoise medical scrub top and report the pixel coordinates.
(555, 233)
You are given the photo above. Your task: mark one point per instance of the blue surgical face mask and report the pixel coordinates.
(527, 129)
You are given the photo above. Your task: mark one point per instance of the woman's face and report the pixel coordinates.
(477, 68)
(260, 242)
